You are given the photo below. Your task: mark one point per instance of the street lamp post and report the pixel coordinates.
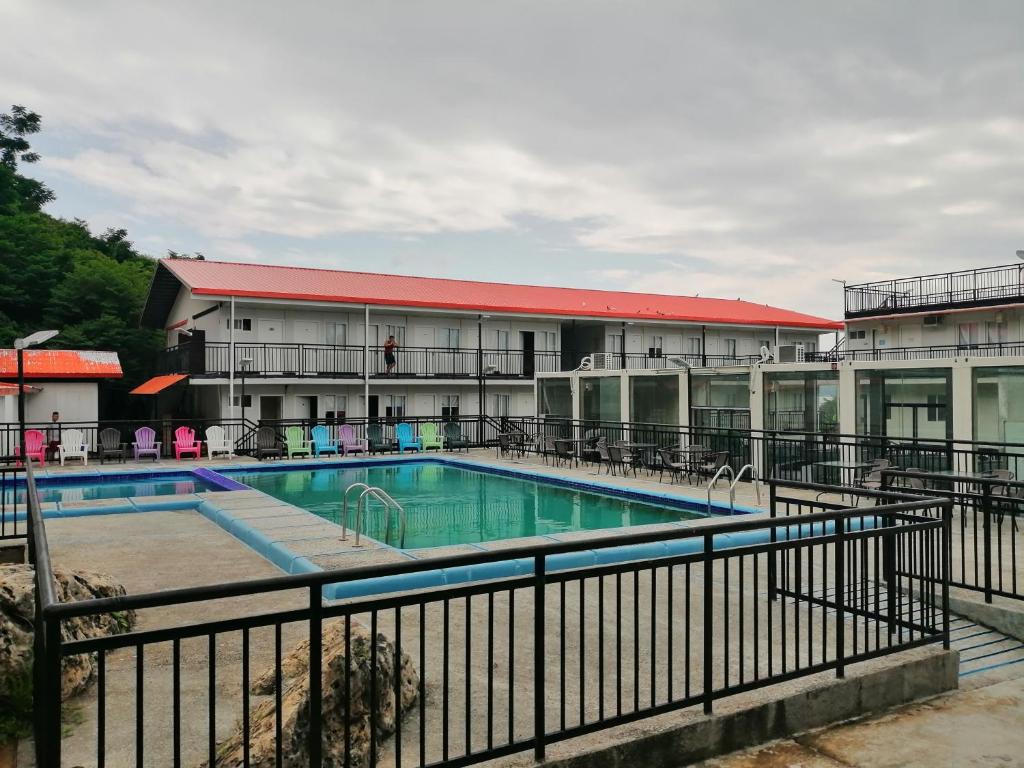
(32, 340)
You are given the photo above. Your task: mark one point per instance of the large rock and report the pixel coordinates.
(337, 710)
(17, 609)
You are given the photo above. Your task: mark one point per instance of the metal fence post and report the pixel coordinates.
(773, 536)
(315, 672)
(986, 518)
(51, 725)
(840, 587)
(709, 618)
(947, 543)
(539, 697)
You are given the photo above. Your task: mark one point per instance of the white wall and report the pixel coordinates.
(911, 331)
(75, 400)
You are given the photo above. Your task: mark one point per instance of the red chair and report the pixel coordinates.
(35, 446)
(185, 443)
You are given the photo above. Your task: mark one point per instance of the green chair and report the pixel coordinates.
(430, 437)
(375, 439)
(454, 437)
(295, 442)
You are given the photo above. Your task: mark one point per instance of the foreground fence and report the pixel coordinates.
(575, 643)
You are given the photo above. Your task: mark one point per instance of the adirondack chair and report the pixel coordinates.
(375, 439)
(111, 445)
(322, 442)
(430, 437)
(350, 443)
(146, 444)
(217, 442)
(267, 444)
(454, 437)
(295, 442)
(73, 446)
(185, 443)
(35, 446)
(403, 432)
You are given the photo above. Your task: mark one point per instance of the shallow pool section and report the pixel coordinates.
(97, 487)
(452, 505)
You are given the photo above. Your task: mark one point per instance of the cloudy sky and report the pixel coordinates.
(722, 148)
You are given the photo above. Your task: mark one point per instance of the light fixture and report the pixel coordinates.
(34, 339)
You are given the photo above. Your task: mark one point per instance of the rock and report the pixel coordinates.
(337, 710)
(17, 608)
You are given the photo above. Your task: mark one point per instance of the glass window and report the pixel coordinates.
(334, 406)
(730, 347)
(967, 334)
(450, 338)
(654, 399)
(241, 323)
(601, 398)
(549, 340)
(394, 406)
(614, 343)
(449, 406)
(694, 346)
(398, 331)
(337, 333)
(657, 345)
(802, 401)
(999, 405)
(555, 397)
(248, 401)
(909, 403)
(995, 332)
(501, 340)
(500, 405)
(720, 400)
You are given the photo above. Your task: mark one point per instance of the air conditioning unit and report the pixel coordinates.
(933, 321)
(789, 353)
(606, 361)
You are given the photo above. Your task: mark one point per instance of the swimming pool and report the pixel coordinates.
(453, 505)
(98, 487)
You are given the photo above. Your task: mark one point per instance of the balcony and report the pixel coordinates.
(640, 361)
(1003, 349)
(989, 286)
(212, 360)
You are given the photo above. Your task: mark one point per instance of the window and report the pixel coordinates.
(657, 345)
(764, 344)
(694, 346)
(238, 401)
(810, 347)
(241, 323)
(398, 331)
(546, 341)
(936, 408)
(449, 406)
(858, 335)
(995, 332)
(967, 334)
(614, 343)
(501, 341)
(450, 338)
(500, 405)
(337, 333)
(730, 347)
(394, 406)
(334, 406)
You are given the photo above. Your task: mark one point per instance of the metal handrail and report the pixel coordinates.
(344, 508)
(739, 476)
(389, 503)
(713, 480)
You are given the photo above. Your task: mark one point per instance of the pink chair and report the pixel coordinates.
(146, 443)
(348, 442)
(185, 443)
(35, 446)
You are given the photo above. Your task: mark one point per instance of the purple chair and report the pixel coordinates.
(146, 444)
(348, 441)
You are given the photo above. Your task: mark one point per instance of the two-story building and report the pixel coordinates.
(309, 343)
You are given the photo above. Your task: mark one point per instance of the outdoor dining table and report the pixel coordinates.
(643, 450)
(844, 467)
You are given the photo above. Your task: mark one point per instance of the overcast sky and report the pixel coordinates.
(733, 149)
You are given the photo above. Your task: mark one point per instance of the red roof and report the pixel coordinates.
(218, 278)
(61, 364)
(158, 384)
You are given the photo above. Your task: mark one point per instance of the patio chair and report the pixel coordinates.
(547, 448)
(267, 444)
(73, 446)
(454, 438)
(565, 450)
(110, 445)
(350, 443)
(295, 442)
(185, 443)
(375, 439)
(620, 457)
(710, 465)
(431, 437)
(670, 465)
(404, 434)
(35, 446)
(590, 453)
(509, 447)
(217, 442)
(320, 436)
(146, 444)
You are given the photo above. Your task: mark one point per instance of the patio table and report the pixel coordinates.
(844, 467)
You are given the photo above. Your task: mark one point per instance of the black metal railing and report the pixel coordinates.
(969, 287)
(938, 352)
(341, 361)
(513, 663)
(12, 509)
(661, 361)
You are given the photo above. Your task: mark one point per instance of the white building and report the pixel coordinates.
(310, 342)
(62, 380)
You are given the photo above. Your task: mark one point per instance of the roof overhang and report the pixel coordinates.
(158, 384)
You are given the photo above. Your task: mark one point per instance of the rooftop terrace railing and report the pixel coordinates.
(969, 287)
(938, 352)
(693, 616)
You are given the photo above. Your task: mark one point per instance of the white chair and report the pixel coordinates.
(217, 442)
(73, 446)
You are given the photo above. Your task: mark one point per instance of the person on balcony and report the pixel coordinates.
(389, 354)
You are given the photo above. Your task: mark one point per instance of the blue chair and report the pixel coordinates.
(405, 438)
(322, 443)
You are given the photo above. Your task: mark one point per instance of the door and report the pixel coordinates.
(373, 408)
(269, 355)
(306, 334)
(270, 407)
(308, 405)
(528, 341)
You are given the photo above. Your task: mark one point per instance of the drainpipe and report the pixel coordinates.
(481, 406)
(366, 362)
(231, 363)
(704, 346)
(622, 351)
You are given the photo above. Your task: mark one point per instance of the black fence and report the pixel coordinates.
(936, 352)
(13, 524)
(511, 664)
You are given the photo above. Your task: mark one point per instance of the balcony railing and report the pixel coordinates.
(969, 287)
(644, 361)
(1002, 349)
(339, 361)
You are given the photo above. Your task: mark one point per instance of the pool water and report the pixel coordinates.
(451, 505)
(116, 488)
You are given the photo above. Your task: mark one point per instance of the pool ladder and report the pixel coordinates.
(735, 477)
(374, 493)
